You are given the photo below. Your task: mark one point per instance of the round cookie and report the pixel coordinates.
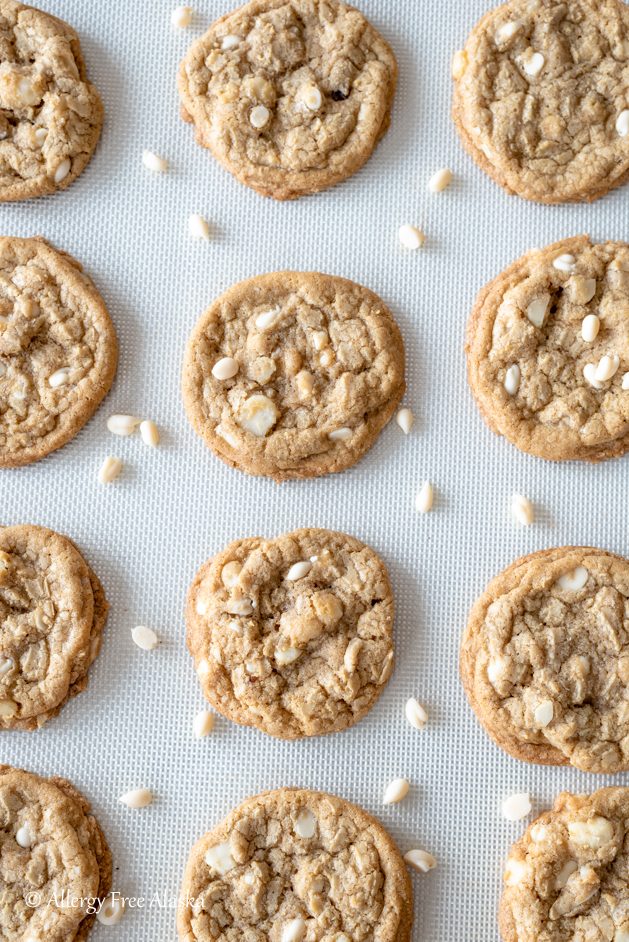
(52, 612)
(50, 115)
(534, 360)
(545, 659)
(53, 850)
(541, 95)
(301, 862)
(320, 371)
(292, 635)
(58, 350)
(567, 877)
(290, 96)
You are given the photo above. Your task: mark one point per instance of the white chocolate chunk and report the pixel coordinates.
(230, 573)
(415, 713)
(267, 318)
(320, 338)
(137, 798)
(63, 170)
(352, 653)
(622, 123)
(570, 867)
(225, 368)
(305, 383)
(26, 93)
(459, 64)
(8, 707)
(590, 328)
(506, 31)
(574, 580)
(538, 832)
(326, 358)
(423, 501)
(258, 415)
(122, 424)
(181, 17)
(622, 934)
(23, 837)
(199, 228)
(202, 606)
(240, 607)
(5, 666)
(396, 791)
(589, 372)
(536, 311)
(40, 136)
(496, 669)
(512, 379)
(516, 807)
(564, 263)
(149, 433)
(145, 638)
(625, 381)
(306, 824)
(109, 470)
(440, 180)
(259, 116)
(594, 833)
(203, 668)
(59, 377)
(340, 434)
(294, 931)
(219, 858)
(203, 724)
(411, 237)
(404, 419)
(420, 860)
(522, 509)
(515, 871)
(533, 63)
(285, 656)
(607, 367)
(111, 911)
(299, 570)
(583, 289)
(230, 41)
(262, 369)
(227, 436)
(152, 162)
(544, 713)
(312, 97)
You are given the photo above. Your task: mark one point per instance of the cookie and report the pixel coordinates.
(567, 878)
(56, 864)
(541, 94)
(292, 635)
(545, 659)
(293, 374)
(295, 864)
(52, 613)
(58, 349)
(548, 351)
(290, 96)
(50, 115)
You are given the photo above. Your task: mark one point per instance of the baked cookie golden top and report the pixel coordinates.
(290, 96)
(52, 850)
(293, 374)
(293, 635)
(567, 878)
(296, 864)
(58, 350)
(545, 659)
(541, 97)
(50, 115)
(548, 351)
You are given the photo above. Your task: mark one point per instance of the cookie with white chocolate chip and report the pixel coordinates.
(545, 659)
(52, 613)
(567, 877)
(548, 351)
(56, 862)
(50, 115)
(290, 96)
(292, 635)
(58, 349)
(293, 374)
(295, 864)
(541, 94)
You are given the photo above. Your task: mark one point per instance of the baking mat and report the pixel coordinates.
(171, 509)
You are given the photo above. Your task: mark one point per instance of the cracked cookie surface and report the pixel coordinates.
(541, 96)
(58, 350)
(567, 878)
(319, 371)
(51, 848)
(298, 860)
(530, 367)
(288, 643)
(290, 96)
(50, 115)
(545, 659)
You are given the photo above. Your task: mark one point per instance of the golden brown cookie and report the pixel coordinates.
(290, 96)
(293, 374)
(568, 877)
(545, 659)
(53, 852)
(52, 613)
(293, 635)
(58, 350)
(541, 97)
(50, 115)
(548, 351)
(292, 865)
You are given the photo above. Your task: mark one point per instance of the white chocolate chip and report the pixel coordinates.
(199, 228)
(63, 170)
(109, 470)
(415, 713)
(267, 318)
(625, 381)
(459, 64)
(111, 911)
(230, 573)
(122, 424)
(299, 570)
(5, 666)
(515, 871)
(305, 383)
(506, 31)
(589, 373)
(149, 433)
(404, 419)
(59, 377)
(594, 833)
(145, 638)
(203, 668)
(622, 934)
(320, 338)
(565, 873)
(420, 860)
(259, 116)
(396, 791)
(607, 367)
(496, 670)
(219, 858)
(538, 832)
(8, 707)
(411, 237)
(522, 509)
(285, 656)
(536, 311)
(326, 358)
(40, 136)
(544, 713)
(583, 289)
(152, 162)
(230, 41)
(294, 931)
(622, 123)
(306, 824)
(227, 436)
(23, 837)
(516, 807)
(27, 94)
(181, 17)
(590, 328)
(203, 724)
(240, 607)
(262, 369)
(137, 798)
(512, 379)
(573, 580)
(439, 180)
(340, 434)
(564, 263)
(312, 97)
(533, 62)
(423, 501)
(258, 415)
(225, 368)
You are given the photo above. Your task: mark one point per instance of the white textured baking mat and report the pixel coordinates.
(172, 508)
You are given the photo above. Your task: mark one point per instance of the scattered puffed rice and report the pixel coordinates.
(411, 237)
(516, 806)
(439, 180)
(122, 424)
(137, 798)
(420, 860)
(149, 433)
(199, 228)
(181, 17)
(423, 501)
(396, 791)
(153, 162)
(415, 713)
(110, 469)
(203, 724)
(111, 911)
(145, 638)
(404, 419)
(522, 509)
